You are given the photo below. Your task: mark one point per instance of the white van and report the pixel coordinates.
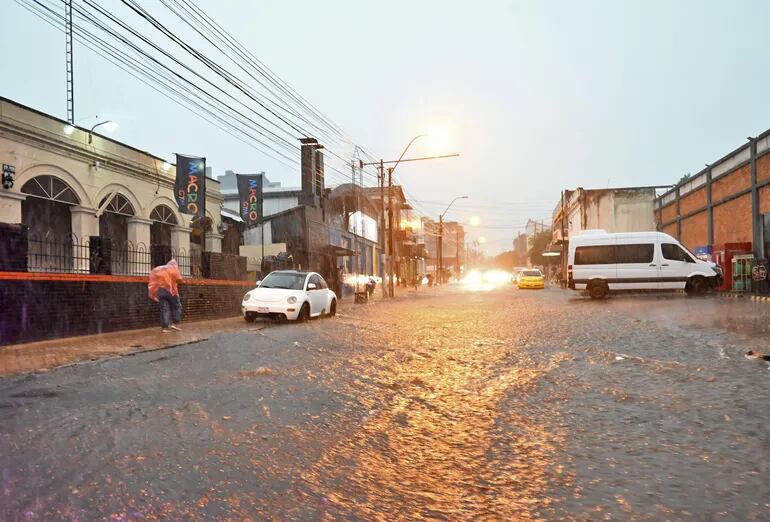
(601, 262)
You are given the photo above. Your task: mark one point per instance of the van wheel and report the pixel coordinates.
(598, 290)
(695, 286)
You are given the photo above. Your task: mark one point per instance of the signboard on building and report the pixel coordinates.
(250, 198)
(191, 185)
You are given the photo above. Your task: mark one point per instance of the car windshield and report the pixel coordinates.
(286, 280)
(531, 273)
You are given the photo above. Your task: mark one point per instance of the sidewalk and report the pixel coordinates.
(44, 355)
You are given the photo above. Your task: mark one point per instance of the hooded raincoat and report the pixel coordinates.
(164, 276)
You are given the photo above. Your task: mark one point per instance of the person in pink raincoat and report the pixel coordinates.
(163, 288)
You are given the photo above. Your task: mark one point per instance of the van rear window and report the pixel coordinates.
(612, 254)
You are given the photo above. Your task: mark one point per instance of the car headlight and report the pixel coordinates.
(291, 299)
(247, 296)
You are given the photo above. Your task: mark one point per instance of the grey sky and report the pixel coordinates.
(537, 96)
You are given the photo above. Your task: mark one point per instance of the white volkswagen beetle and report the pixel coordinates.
(290, 294)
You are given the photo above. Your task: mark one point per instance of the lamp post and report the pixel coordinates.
(440, 275)
(110, 126)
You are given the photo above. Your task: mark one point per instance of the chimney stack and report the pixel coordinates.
(312, 167)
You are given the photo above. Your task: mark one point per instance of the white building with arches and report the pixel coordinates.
(69, 183)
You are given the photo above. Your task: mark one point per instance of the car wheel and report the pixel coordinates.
(250, 317)
(304, 313)
(695, 286)
(333, 308)
(598, 290)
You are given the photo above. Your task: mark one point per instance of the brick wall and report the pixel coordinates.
(732, 221)
(763, 167)
(669, 213)
(764, 199)
(732, 183)
(37, 309)
(695, 231)
(692, 201)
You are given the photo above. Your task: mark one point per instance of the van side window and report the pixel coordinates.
(641, 253)
(595, 255)
(674, 252)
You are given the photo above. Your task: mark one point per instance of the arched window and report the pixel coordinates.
(119, 205)
(163, 214)
(50, 187)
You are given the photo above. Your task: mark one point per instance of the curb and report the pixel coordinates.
(752, 297)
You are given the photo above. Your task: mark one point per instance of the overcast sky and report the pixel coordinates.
(537, 96)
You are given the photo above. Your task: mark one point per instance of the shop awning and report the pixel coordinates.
(342, 251)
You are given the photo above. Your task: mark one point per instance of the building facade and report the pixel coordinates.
(728, 201)
(629, 209)
(70, 185)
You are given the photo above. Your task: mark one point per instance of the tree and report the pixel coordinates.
(540, 241)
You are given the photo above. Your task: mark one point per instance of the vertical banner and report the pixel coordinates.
(250, 196)
(191, 186)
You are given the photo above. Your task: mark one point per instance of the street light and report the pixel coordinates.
(440, 276)
(110, 125)
(381, 167)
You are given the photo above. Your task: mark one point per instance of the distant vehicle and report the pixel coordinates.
(601, 262)
(291, 295)
(531, 278)
(515, 273)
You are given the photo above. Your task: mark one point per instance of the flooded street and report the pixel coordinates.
(452, 405)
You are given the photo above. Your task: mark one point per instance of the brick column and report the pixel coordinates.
(10, 206)
(84, 225)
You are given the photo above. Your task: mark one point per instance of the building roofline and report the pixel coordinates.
(3, 99)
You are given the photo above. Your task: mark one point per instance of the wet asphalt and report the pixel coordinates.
(455, 404)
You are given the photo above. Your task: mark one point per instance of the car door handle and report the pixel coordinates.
(653, 264)
(664, 264)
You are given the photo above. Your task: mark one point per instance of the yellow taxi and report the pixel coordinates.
(531, 278)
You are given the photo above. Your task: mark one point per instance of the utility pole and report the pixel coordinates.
(390, 231)
(457, 251)
(440, 275)
(381, 166)
(69, 56)
(382, 226)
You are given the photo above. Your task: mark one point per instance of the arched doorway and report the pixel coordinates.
(113, 225)
(46, 213)
(163, 218)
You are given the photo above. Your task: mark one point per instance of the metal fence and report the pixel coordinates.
(98, 255)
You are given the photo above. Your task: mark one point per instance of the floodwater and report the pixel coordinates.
(452, 405)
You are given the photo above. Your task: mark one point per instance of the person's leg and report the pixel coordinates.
(177, 309)
(165, 308)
